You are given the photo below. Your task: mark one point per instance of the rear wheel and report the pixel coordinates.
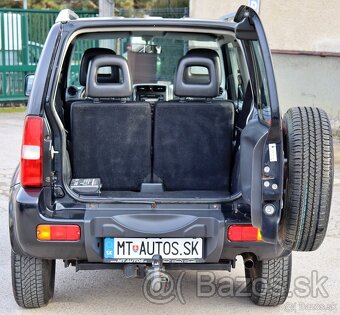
(32, 280)
(309, 182)
(268, 281)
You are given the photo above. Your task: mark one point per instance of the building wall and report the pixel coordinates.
(305, 26)
(308, 81)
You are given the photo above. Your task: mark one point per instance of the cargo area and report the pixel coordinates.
(151, 139)
(185, 150)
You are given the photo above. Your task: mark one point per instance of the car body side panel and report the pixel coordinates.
(24, 216)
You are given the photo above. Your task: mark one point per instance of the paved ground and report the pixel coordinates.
(105, 292)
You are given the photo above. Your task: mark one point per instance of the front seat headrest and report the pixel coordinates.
(204, 52)
(97, 89)
(88, 55)
(185, 86)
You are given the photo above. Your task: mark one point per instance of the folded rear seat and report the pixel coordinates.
(111, 139)
(193, 138)
(88, 55)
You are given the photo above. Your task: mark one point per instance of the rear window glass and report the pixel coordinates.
(151, 59)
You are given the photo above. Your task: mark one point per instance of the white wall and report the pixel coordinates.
(309, 81)
(306, 25)
(296, 25)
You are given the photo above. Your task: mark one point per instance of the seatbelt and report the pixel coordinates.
(242, 116)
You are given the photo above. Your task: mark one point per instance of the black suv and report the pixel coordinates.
(158, 144)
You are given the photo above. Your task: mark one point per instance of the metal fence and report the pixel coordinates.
(22, 35)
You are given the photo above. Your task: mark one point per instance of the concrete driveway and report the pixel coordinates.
(315, 285)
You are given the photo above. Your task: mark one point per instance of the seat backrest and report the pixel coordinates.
(111, 139)
(88, 55)
(193, 138)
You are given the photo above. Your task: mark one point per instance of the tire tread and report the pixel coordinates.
(274, 281)
(310, 178)
(32, 280)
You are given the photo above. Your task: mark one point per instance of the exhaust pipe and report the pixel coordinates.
(248, 261)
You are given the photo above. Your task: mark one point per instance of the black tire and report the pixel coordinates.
(309, 178)
(268, 281)
(32, 280)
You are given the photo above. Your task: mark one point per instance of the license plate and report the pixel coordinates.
(144, 248)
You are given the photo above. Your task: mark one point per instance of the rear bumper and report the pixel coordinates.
(25, 213)
(27, 210)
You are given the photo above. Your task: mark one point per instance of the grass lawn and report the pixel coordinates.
(12, 109)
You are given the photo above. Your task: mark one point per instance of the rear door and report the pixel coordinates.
(267, 150)
(250, 31)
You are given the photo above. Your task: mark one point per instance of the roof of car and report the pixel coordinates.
(70, 16)
(151, 22)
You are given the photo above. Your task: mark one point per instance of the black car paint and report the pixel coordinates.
(26, 210)
(30, 207)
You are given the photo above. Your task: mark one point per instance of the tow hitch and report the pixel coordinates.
(156, 273)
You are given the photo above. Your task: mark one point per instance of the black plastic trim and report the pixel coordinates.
(27, 209)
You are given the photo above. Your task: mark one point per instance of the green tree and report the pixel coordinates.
(10, 4)
(124, 4)
(42, 4)
(93, 4)
(78, 4)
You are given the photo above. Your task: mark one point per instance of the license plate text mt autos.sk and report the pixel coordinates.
(145, 248)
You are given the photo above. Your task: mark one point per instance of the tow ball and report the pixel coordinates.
(157, 274)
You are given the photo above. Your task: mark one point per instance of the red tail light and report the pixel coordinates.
(244, 233)
(32, 152)
(46, 232)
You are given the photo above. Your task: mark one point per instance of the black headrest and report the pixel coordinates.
(97, 89)
(207, 87)
(88, 55)
(204, 52)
